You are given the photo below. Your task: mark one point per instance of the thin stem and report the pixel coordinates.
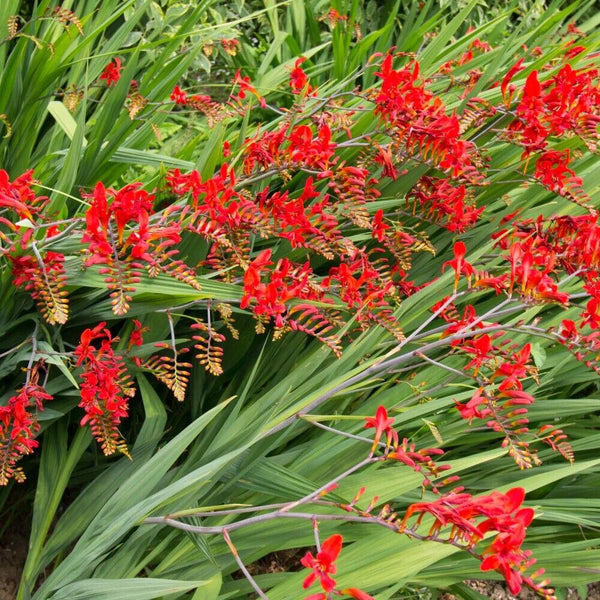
(507, 311)
(179, 307)
(242, 566)
(443, 366)
(315, 525)
(33, 352)
(429, 319)
(172, 331)
(349, 518)
(352, 436)
(14, 348)
(64, 233)
(42, 266)
(492, 312)
(227, 511)
(324, 488)
(383, 366)
(240, 510)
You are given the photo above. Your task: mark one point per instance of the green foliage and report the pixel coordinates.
(250, 437)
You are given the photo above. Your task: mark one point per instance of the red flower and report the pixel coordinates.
(231, 46)
(591, 314)
(252, 283)
(502, 514)
(551, 168)
(480, 348)
(136, 337)
(515, 368)
(333, 17)
(379, 226)
(385, 157)
(323, 565)
(112, 72)
(299, 80)
(382, 424)
(19, 426)
(505, 552)
(44, 278)
(568, 329)
(246, 86)
(178, 96)
(105, 387)
(472, 409)
(459, 264)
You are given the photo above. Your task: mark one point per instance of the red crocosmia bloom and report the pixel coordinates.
(515, 368)
(531, 110)
(502, 560)
(178, 96)
(507, 97)
(573, 51)
(459, 264)
(19, 425)
(299, 80)
(85, 349)
(475, 408)
(379, 226)
(480, 348)
(136, 338)
(246, 86)
(505, 552)
(591, 314)
(532, 85)
(112, 72)
(231, 46)
(551, 168)
(382, 424)
(503, 514)
(498, 284)
(105, 387)
(574, 30)
(333, 17)
(319, 596)
(323, 565)
(385, 157)
(568, 329)
(252, 283)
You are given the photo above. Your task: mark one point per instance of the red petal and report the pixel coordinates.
(330, 549)
(491, 563)
(532, 85)
(460, 250)
(515, 497)
(525, 515)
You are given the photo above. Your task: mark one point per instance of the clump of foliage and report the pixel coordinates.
(417, 237)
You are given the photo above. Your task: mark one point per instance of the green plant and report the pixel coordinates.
(328, 226)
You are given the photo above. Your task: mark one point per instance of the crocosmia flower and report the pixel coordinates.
(323, 565)
(112, 72)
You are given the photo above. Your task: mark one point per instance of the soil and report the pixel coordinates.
(15, 522)
(13, 550)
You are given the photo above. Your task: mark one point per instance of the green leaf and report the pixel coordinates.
(132, 589)
(64, 119)
(57, 464)
(539, 354)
